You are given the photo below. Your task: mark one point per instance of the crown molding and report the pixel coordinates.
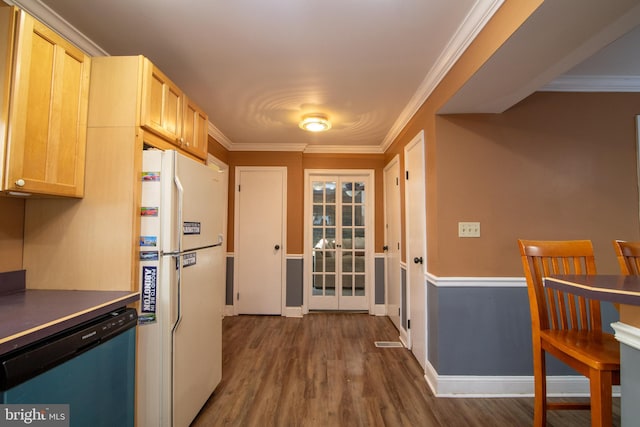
(266, 147)
(43, 13)
(215, 133)
(350, 149)
(477, 18)
(575, 83)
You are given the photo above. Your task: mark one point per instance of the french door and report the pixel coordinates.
(340, 247)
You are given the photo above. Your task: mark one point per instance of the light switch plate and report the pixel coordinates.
(468, 229)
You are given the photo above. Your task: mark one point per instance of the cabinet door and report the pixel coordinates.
(162, 103)
(48, 113)
(194, 131)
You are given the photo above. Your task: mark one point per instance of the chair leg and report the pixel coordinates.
(600, 384)
(540, 387)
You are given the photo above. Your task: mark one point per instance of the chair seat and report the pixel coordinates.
(597, 350)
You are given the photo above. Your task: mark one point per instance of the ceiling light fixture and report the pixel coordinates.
(315, 123)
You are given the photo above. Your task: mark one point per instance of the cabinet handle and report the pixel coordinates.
(20, 183)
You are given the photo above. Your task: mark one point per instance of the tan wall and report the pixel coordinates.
(510, 16)
(555, 166)
(217, 150)
(11, 233)
(293, 162)
(296, 162)
(356, 161)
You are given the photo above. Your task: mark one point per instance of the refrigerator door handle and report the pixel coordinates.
(179, 225)
(178, 294)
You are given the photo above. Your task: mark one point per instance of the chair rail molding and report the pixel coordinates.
(476, 282)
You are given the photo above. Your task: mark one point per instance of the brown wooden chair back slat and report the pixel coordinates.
(628, 254)
(552, 309)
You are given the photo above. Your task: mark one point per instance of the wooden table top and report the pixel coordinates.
(604, 287)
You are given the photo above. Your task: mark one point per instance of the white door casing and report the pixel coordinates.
(350, 244)
(415, 211)
(223, 200)
(260, 236)
(392, 240)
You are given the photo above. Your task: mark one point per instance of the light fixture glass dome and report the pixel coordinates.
(315, 123)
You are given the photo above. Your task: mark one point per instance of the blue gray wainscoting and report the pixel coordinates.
(229, 282)
(379, 281)
(295, 282)
(486, 331)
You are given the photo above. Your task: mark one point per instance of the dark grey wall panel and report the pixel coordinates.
(379, 282)
(294, 282)
(630, 385)
(229, 282)
(432, 326)
(481, 331)
(485, 331)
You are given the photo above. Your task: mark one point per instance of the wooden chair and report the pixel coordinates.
(628, 254)
(568, 327)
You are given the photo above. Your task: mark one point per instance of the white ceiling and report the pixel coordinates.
(257, 66)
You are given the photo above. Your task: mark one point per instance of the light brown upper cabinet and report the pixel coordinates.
(169, 113)
(162, 104)
(44, 105)
(194, 129)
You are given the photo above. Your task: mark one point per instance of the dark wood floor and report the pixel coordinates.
(324, 370)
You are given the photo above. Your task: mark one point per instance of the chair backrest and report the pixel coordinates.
(628, 254)
(551, 309)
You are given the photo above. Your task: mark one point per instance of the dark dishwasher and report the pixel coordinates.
(90, 367)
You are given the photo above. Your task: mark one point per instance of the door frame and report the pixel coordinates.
(393, 167)
(283, 246)
(369, 235)
(223, 168)
(417, 140)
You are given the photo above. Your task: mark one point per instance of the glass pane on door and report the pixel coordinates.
(324, 238)
(339, 249)
(353, 239)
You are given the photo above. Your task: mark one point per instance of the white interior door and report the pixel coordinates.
(415, 209)
(259, 230)
(392, 240)
(339, 242)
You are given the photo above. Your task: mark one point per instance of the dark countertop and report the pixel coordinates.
(29, 315)
(603, 287)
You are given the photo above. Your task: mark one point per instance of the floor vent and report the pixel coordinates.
(389, 344)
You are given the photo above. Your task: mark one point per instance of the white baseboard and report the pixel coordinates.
(505, 386)
(228, 311)
(380, 310)
(292, 312)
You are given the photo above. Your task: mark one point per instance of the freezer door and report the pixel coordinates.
(192, 198)
(197, 337)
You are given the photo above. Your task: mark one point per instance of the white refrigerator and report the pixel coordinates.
(182, 289)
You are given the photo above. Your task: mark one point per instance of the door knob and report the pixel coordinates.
(417, 260)
(385, 248)
(276, 247)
